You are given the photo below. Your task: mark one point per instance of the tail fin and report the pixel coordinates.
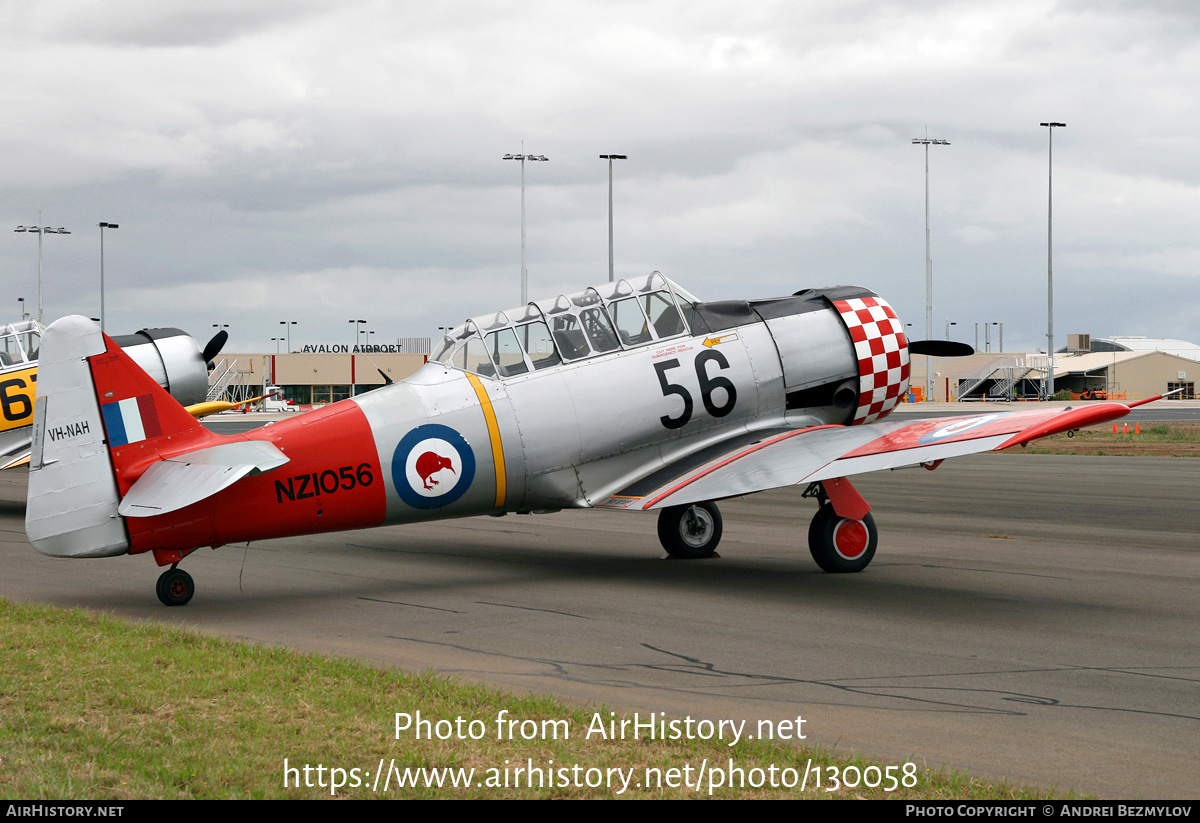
(99, 420)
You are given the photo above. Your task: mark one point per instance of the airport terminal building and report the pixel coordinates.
(313, 378)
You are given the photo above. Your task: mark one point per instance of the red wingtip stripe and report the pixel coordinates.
(1068, 420)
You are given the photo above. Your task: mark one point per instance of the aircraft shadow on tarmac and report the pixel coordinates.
(424, 573)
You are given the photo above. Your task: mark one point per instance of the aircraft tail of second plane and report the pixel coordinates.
(99, 421)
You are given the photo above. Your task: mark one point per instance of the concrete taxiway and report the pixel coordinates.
(1028, 617)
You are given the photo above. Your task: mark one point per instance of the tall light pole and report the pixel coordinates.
(103, 226)
(523, 157)
(610, 158)
(39, 231)
(287, 324)
(926, 141)
(1050, 127)
(358, 324)
(21, 301)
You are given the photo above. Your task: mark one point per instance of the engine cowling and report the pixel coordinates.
(843, 351)
(173, 358)
(881, 349)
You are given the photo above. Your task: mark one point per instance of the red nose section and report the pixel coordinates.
(882, 352)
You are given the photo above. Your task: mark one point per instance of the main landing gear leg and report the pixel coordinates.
(842, 536)
(690, 532)
(175, 587)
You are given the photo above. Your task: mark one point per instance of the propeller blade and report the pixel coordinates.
(215, 345)
(940, 348)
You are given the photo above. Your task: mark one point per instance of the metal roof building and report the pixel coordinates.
(1130, 375)
(1179, 348)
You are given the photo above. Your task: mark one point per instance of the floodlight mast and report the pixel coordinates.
(1050, 127)
(39, 231)
(524, 271)
(926, 141)
(610, 158)
(103, 226)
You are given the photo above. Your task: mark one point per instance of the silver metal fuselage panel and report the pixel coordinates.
(815, 348)
(572, 434)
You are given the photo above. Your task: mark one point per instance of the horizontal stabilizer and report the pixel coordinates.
(189, 478)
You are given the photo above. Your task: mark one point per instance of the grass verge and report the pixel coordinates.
(95, 708)
(1155, 440)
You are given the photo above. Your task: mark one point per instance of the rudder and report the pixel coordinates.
(72, 506)
(99, 421)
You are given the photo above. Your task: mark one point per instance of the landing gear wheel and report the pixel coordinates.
(839, 544)
(690, 532)
(175, 587)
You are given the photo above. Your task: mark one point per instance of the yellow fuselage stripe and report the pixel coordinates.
(489, 414)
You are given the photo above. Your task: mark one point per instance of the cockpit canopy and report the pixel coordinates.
(625, 314)
(19, 342)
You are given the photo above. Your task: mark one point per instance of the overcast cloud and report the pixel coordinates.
(320, 162)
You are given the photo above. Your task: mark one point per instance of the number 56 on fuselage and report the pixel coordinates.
(633, 395)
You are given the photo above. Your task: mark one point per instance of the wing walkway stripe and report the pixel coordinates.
(732, 458)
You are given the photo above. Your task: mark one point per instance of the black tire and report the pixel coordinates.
(690, 532)
(857, 539)
(175, 587)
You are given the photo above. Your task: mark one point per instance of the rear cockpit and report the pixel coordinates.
(626, 314)
(19, 343)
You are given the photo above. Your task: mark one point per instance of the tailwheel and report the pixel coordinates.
(840, 544)
(175, 587)
(690, 532)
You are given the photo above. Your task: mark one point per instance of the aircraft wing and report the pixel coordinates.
(187, 478)
(15, 459)
(785, 457)
(14, 446)
(202, 410)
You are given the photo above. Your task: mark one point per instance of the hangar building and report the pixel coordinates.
(1122, 374)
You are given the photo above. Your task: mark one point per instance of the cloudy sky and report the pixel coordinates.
(326, 161)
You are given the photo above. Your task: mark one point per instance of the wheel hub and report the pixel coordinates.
(696, 527)
(850, 539)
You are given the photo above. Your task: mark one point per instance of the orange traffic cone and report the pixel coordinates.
(1114, 427)
(1126, 428)
(1138, 429)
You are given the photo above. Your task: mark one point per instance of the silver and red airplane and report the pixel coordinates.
(632, 395)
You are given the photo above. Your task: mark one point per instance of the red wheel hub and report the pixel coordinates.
(850, 539)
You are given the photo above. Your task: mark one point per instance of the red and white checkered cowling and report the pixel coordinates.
(882, 352)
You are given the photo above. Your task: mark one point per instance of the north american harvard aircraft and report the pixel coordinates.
(632, 395)
(173, 357)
